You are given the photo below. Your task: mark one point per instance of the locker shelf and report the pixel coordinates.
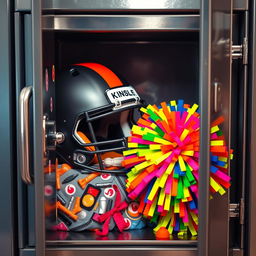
(133, 237)
(121, 22)
(183, 6)
(128, 5)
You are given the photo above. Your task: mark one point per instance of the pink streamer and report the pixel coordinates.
(161, 171)
(214, 136)
(185, 218)
(168, 185)
(222, 176)
(160, 208)
(192, 163)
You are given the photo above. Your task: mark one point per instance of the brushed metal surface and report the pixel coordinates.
(37, 128)
(121, 4)
(127, 5)
(242, 142)
(124, 252)
(144, 237)
(113, 252)
(29, 218)
(22, 5)
(251, 176)
(27, 252)
(19, 75)
(221, 35)
(25, 96)
(204, 102)
(120, 22)
(241, 5)
(7, 129)
(215, 67)
(123, 243)
(101, 5)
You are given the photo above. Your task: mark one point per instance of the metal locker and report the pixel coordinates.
(207, 41)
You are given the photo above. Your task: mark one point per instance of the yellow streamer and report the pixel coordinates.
(176, 207)
(155, 146)
(153, 190)
(170, 167)
(130, 152)
(162, 158)
(163, 180)
(161, 197)
(167, 203)
(152, 208)
(215, 129)
(142, 165)
(187, 153)
(144, 110)
(217, 143)
(162, 141)
(184, 134)
(132, 145)
(191, 111)
(182, 164)
(214, 184)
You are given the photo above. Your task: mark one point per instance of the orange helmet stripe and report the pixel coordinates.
(109, 76)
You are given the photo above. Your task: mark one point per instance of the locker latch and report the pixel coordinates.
(241, 51)
(237, 211)
(52, 138)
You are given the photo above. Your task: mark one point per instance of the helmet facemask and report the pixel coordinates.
(106, 133)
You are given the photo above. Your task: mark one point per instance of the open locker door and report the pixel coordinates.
(44, 130)
(215, 101)
(38, 139)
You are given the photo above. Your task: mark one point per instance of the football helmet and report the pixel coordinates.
(95, 111)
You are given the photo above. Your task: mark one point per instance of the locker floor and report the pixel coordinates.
(143, 236)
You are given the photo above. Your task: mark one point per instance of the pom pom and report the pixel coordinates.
(163, 156)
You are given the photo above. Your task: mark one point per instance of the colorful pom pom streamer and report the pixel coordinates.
(163, 156)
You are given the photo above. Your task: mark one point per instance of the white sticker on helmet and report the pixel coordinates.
(123, 96)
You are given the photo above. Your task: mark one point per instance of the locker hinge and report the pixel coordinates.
(236, 252)
(237, 211)
(241, 51)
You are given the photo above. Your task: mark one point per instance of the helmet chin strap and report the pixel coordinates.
(92, 168)
(79, 159)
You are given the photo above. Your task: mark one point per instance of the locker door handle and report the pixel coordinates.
(25, 95)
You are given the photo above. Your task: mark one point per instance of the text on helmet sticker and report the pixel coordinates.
(122, 95)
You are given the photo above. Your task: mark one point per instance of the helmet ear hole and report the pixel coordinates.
(85, 139)
(74, 72)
